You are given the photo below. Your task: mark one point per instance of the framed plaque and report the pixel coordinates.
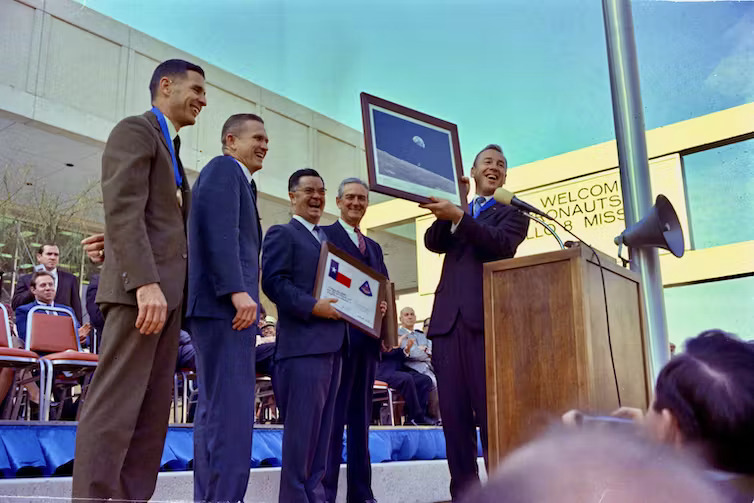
(358, 288)
(411, 155)
(390, 324)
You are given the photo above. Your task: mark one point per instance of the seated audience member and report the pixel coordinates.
(265, 354)
(413, 386)
(42, 286)
(267, 330)
(92, 309)
(595, 466)
(66, 284)
(186, 353)
(704, 404)
(420, 355)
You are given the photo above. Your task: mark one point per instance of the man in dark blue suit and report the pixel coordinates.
(353, 405)
(224, 243)
(310, 341)
(66, 284)
(493, 231)
(42, 287)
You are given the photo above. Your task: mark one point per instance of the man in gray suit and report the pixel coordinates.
(224, 242)
(145, 192)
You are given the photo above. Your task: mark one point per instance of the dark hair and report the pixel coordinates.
(41, 249)
(491, 146)
(171, 68)
(709, 389)
(297, 175)
(235, 122)
(38, 274)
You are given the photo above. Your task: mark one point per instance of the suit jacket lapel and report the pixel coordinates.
(310, 237)
(185, 186)
(343, 237)
(484, 215)
(155, 124)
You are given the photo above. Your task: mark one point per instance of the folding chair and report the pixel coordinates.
(385, 392)
(183, 380)
(264, 409)
(57, 335)
(18, 360)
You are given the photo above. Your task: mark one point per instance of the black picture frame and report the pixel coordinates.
(397, 140)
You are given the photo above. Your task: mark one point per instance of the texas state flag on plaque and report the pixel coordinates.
(337, 276)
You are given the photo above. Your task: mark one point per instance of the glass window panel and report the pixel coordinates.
(727, 305)
(720, 194)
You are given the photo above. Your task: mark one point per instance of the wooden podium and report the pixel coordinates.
(547, 348)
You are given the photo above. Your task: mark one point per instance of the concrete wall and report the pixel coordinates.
(78, 72)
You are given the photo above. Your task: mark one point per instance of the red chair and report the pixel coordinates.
(56, 335)
(18, 360)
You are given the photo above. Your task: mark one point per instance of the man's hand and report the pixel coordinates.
(246, 310)
(383, 308)
(443, 210)
(324, 309)
(153, 309)
(409, 345)
(466, 182)
(94, 246)
(632, 413)
(84, 331)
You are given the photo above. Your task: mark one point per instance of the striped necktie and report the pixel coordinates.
(362, 241)
(477, 207)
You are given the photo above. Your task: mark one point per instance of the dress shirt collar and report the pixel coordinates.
(350, 230)
(486, 198)
(309, 226)
(171, 128)
(40, 303)
(243, 168)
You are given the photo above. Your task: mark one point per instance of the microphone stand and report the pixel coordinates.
(543, 224)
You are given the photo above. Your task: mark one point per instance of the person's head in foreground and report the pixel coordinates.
(595, 466)
(704, 401)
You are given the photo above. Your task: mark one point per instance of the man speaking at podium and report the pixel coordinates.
(491, 232)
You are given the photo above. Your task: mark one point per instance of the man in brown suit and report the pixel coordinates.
(121, 433)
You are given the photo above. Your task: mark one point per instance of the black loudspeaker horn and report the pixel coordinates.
(661, 229)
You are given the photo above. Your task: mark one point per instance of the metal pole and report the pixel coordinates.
(634, 166)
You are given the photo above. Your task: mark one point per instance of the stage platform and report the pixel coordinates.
(34, 449)
(408, 463)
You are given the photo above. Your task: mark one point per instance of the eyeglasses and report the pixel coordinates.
(309, 191)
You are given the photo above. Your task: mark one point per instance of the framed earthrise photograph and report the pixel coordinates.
(411, 155)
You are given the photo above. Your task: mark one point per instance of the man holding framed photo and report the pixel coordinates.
(491, 232)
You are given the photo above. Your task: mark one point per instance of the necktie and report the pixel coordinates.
(320, 234)
(254, 189)
(477, 207)
(177, 147)
(362, 241)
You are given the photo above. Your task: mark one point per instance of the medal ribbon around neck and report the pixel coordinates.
(169, 141)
